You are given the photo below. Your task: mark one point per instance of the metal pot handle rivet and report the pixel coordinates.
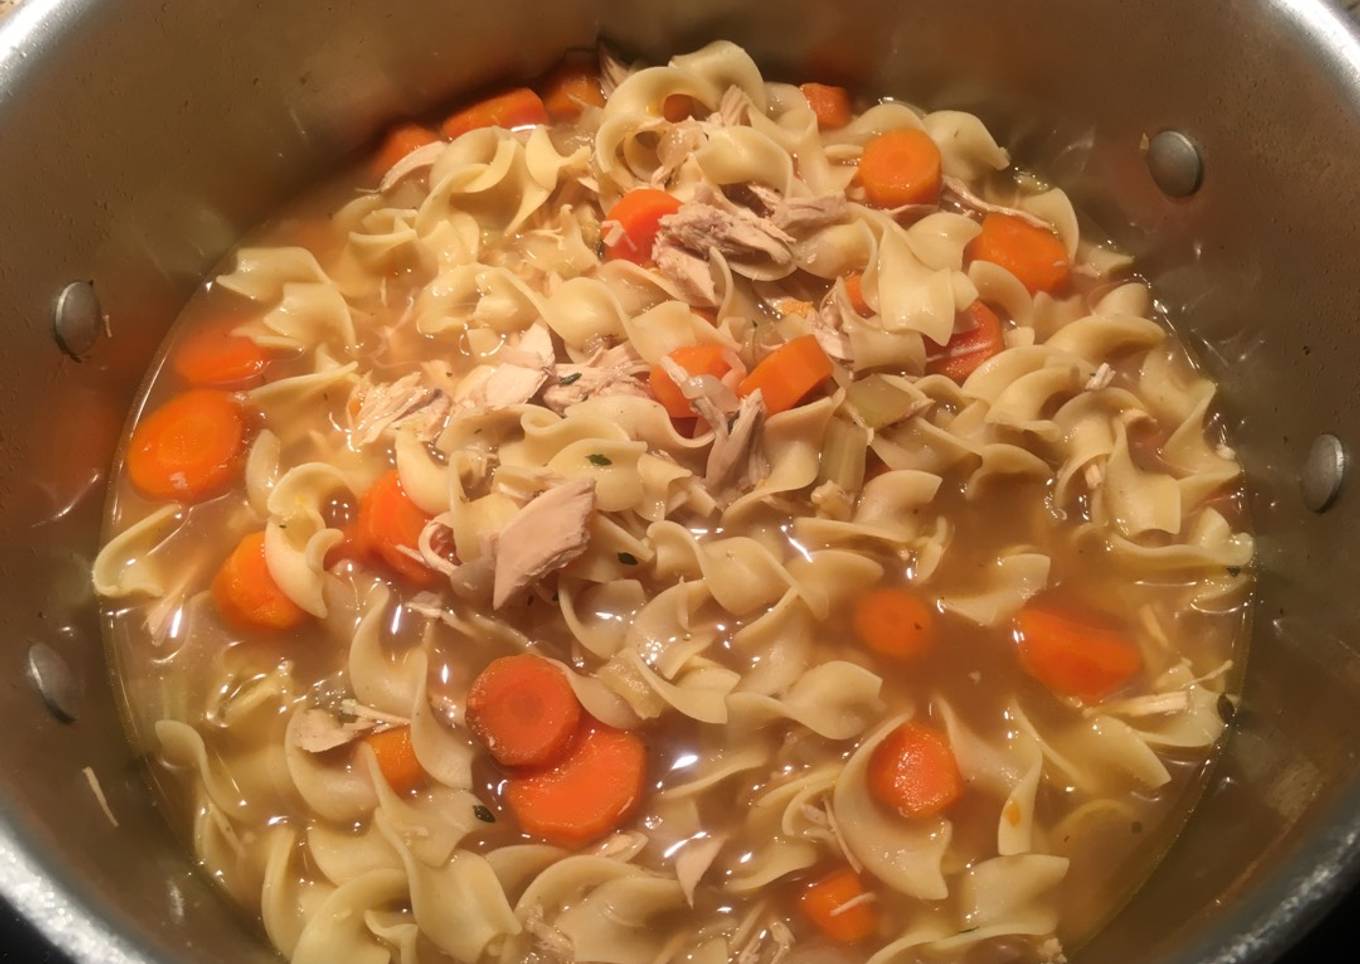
(1322, 473)
(77, 319)
(51, 676)
(1175, 164)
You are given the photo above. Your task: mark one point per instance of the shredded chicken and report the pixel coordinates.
(1051, 951)
(833, 502)
(321, 730)
(957, 191)
(1094, 474)
(1153, 704)
(613, 71)
(828, 324)
(694, 860)
(97, 789)
(549, 942)
(688, 272)
(711, 221)
(803, 215)
(1100, 378)
(545, 535)
(733, 445)
(868, 897)
(409, 401)
(677, 144)
(733, 108)
(521, 369)
(611, 372)
(718, 394)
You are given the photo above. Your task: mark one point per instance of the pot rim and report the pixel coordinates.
(1297, 896)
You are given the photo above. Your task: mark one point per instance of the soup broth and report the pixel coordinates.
(666, 515)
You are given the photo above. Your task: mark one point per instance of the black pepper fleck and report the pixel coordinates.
(595, 458)
(569, 379)
(1226, 709)
(628, 559)
(483, 814)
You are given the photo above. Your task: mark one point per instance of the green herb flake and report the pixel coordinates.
(628, 559)
(569, 379)
(483, 814)
(595, 458)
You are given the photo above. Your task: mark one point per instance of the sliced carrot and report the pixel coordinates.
(524, 711)
(835, 905)
(677, 107)
(189, 448)
(895, 623)
(588, 794)
(518, 107)
(397, 143)
(390, 523)
(569, 89)
(830, 104)
(913, 771)
(900, 167)
(247, 595)
(1033, 254)
(788, 373)
(977, 337)
(397, 758)
(213, 357)
(707, 359)
(854, 288)
(638, 214)
(1074, 655)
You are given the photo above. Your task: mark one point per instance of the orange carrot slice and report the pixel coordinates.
(247, 595)
(788, 373)
(388, 524)
(589, 794)
(835, 905)
(397, 758)
(854, 288)
(707, 359)
(189, 448)
(397, 143)
(830, 104)
(913, 771)
(977, 337)
(524, 711)
(900, 167)
(895, 623)
(638, 213)
(1033, 254)
(518, 107)
(569, 89)
(677, 107)
(213, 357)
(1074, 656)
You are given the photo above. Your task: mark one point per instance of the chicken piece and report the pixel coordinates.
(736, 232)
(734, 445)
(827, 324)
(688, 272)
(803, 215)
(612, 372)
(732, 108)
(957, 192)
(545, 535)
(613, 71)
(521, 371)
(376, 407)
(320, 730)
(677, 144)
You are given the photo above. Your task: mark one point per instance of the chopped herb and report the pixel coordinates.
(628, 559)
(596, 458)
(569, 379)
(483, 814)
(1234, 571)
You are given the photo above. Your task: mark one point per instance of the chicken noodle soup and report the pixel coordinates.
(664, 515)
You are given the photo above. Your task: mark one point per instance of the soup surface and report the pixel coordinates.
(663, 515)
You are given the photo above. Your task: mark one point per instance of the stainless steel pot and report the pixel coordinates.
(139, 138)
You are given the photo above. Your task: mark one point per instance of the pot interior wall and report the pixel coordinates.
(141, 138)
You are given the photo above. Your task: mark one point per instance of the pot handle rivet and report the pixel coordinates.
(77, 319)
(1175, 164)
(1322, 473)
(51, 676)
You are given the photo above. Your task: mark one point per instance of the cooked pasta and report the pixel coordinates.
(676, 516)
